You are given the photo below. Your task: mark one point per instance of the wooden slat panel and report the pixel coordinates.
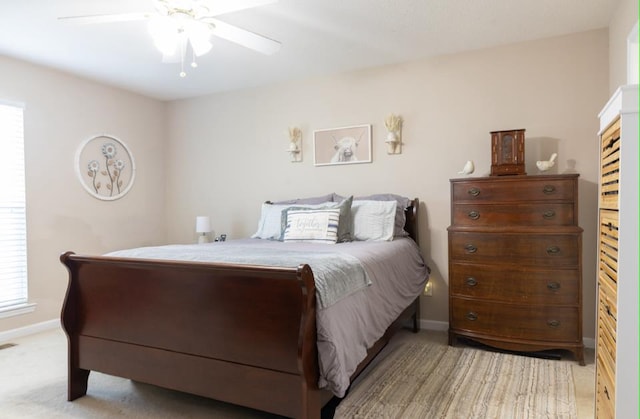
(609, 222)
(608, 286)
(605, 393)
(609, 264)
(611, 172)
(609, 167)
(607, 373)
(606, 271)
(607, 319)
(608, 300)
(610, 158)
(608, 244)
(611, 245)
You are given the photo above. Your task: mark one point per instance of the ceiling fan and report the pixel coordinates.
(176, 25)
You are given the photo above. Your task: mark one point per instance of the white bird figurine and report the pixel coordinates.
(544, 165)
(467, 169)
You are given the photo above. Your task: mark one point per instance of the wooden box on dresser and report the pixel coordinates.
(515, 269)
(617, 325)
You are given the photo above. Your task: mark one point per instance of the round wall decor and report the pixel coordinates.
(105, 167)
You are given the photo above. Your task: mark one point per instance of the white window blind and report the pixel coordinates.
(13, 225)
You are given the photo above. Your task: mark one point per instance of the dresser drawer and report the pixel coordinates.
(518, 248)
(543, 188)
(497, 215)
(515, 285)
(533, 322)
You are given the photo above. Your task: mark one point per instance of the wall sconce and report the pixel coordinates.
(203, 227)
(394, 134)
(295, 144)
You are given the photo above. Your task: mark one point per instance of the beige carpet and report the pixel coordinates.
(33, 385)
(427, 380)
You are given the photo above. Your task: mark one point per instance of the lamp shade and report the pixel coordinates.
(203, 224)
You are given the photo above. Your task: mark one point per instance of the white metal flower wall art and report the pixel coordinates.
(105, 167)
(393, 123)
(295, 149)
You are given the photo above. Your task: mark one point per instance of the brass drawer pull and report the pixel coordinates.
(549, 214)
(553, 286)
(552, 250)
(553, 323)
(470, 248)
(610, 226)
(472, 282)
(472, 316)
(549, 189)
(474, 192)
(474, 215)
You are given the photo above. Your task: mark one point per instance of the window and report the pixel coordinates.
(13, 225)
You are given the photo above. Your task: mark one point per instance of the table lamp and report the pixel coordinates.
(203, 227)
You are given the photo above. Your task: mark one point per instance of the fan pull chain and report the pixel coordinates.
(194, 64)
(182, 72)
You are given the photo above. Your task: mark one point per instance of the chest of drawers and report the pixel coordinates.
(515, 268)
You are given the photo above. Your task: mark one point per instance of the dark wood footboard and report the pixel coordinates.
(240, 334)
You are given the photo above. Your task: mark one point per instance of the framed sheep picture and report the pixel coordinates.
(345, 145)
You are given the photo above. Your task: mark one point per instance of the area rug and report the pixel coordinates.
(432, 381)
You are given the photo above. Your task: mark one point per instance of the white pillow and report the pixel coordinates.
(373, 220)
(269, 226)
(312, 225)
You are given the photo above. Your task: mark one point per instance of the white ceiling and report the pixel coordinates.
(319, 37)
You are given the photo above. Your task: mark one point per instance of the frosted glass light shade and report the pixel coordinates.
(165, 34)
(203, 224)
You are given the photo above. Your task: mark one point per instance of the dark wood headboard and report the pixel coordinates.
(411, 219)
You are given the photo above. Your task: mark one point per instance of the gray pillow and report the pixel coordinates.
(307, 201)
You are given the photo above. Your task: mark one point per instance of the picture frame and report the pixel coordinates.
(105, 167)
(343, 145)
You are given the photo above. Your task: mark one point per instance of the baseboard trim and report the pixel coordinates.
(29, 330)
(589, 343)
(434, 325)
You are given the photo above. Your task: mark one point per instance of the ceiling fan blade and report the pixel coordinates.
(221, 7)
(245, 38)
(120, 17)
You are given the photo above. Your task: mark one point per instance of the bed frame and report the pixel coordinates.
(236, 333)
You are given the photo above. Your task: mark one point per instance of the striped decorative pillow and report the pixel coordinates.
(312, 225)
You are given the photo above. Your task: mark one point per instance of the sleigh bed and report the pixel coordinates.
(250, 334)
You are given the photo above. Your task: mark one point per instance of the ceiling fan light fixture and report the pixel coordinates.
(165, 34)
(199, 34)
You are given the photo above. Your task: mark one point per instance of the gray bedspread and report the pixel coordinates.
(350, 320)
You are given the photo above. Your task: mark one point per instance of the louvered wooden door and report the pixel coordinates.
(608, 271)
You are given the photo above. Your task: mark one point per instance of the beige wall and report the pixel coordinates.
(623, 19)
(61, 111)
(226, 152)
